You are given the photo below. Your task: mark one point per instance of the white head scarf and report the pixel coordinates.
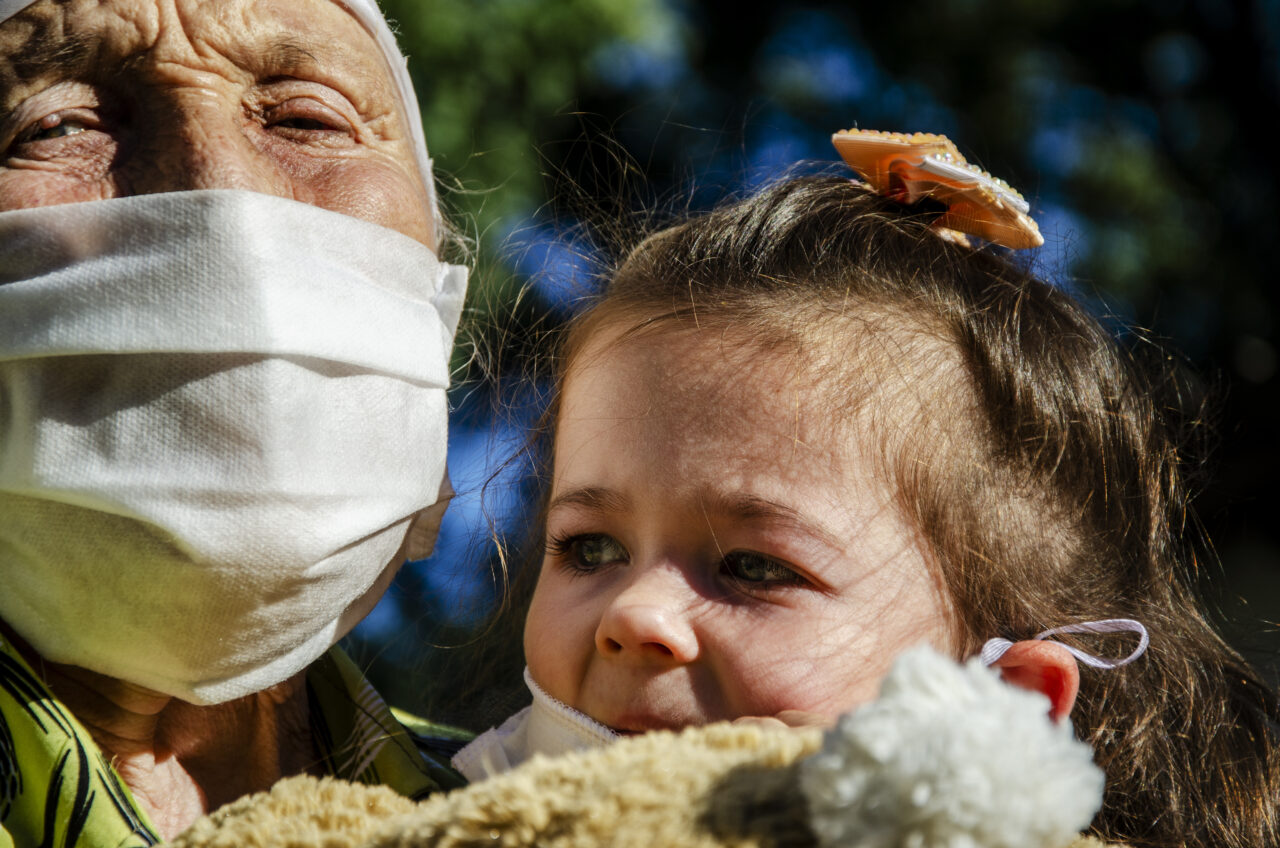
(367, 13)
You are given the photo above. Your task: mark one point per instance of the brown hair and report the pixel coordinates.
(1058, 496)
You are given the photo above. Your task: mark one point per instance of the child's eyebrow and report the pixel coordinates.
(740, 506)
(595, 498)
(755, 508)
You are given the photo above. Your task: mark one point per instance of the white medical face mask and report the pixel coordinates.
(221, 413)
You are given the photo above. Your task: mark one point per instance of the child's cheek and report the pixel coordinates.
(559, 634)
(799, 665)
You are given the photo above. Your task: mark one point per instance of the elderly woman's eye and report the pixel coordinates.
(304, 118)
(62, 129)
(302, 124)
(55, 126)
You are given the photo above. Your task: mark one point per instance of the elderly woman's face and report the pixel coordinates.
(107, 98)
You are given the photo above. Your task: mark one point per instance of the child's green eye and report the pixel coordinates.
(599, 550)
(747, 567)
(588, 552)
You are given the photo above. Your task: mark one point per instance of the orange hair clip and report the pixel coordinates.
(910, 166)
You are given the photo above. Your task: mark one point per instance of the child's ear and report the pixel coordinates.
(1044, 667)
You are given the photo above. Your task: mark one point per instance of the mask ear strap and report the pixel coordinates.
(995, 648)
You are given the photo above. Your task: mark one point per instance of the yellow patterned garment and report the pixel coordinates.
(57, 789)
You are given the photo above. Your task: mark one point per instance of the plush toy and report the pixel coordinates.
(947, 757)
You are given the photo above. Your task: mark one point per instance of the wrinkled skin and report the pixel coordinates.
(283, 97)
(111, 98)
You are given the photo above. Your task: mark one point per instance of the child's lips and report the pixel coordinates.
(632, 725)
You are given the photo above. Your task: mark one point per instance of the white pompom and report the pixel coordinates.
(949, 756)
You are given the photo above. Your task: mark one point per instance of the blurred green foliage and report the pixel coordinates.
(496, 78)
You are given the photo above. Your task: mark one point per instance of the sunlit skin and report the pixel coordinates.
(716, 547)
(125, 97)
(110, 98)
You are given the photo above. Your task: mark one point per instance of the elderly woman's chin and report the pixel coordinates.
(224, 412)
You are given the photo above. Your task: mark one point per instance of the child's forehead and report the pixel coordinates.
(693, 371)
(855, 364)
(755, 408)
(694, 417)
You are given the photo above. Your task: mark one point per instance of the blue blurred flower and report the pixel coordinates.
(648, 66)
(560, 270)
(490, 475)
(813, 55)
(1066, 242)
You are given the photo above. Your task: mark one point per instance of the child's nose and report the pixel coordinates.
(647, 621)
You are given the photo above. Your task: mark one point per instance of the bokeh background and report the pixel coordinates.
(1141, 131)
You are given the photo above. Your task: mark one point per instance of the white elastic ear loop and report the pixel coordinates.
(995, 648)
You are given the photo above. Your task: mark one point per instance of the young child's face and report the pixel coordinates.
(717, 545)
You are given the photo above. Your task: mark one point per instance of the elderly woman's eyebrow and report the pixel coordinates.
(287, 55)
(48, 50)
(290, 56)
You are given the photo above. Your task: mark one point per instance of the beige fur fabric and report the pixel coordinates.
(301, 811)
(720, 786)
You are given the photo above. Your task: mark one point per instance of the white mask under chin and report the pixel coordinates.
(221, 414)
